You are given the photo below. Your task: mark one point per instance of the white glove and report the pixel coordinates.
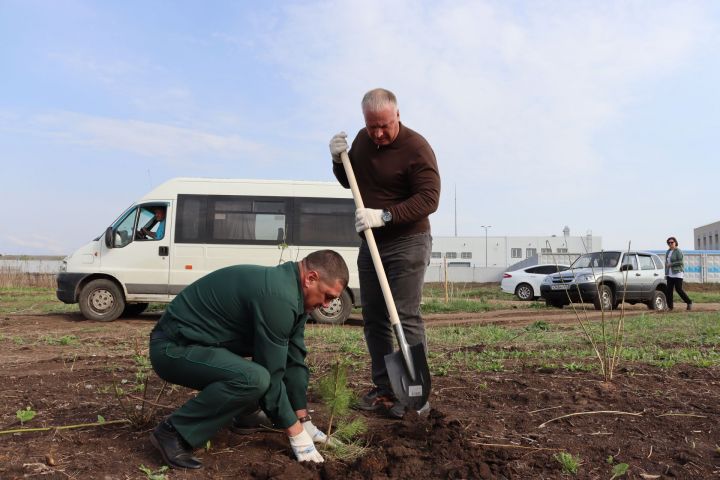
(338, 144)
(318, 436)
(368, 218)
(304, 448)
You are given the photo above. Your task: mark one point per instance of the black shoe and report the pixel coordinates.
(689, 306)
(398, 410)
(174, 449)
(375, 400)
(251, 423)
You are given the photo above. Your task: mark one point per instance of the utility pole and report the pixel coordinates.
(456, 210)
(486, 243)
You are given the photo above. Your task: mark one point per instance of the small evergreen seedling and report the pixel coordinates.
(569, 462)
(338, 398)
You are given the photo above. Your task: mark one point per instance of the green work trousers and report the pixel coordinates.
(228, 385)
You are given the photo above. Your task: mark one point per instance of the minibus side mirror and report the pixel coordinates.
(109, 238)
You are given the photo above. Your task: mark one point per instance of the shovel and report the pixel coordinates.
(407, 369)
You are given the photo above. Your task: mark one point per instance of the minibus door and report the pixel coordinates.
(136, 251)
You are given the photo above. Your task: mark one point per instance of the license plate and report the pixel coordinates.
(562, 286)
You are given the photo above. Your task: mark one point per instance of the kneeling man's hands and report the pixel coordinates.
(304, 448)
(318, 436)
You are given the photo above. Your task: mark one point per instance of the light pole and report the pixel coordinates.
(486, 229)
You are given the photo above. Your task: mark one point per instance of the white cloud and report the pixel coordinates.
(32, 242)
(528, 87)
(147, 139)
(510, 94)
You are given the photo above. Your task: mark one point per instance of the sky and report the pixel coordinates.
(599, 116)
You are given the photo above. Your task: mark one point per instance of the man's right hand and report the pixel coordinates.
(338, 144)
(304, 448)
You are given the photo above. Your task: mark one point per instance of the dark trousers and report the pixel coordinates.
(228, 385)
(405, 261)
(676, 284)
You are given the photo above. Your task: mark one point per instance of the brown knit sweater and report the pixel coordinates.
(402, 177)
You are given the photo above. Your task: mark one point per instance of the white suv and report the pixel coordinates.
(608, 278)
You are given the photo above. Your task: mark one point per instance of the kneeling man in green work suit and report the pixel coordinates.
(203, 338)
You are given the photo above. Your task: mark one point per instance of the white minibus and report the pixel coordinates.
(188, 227)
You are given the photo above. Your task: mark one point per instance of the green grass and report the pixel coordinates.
(659, 340)
(32, 300)
(37, 300)
(461, 297)
(456, 305)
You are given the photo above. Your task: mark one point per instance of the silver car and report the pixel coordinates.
(608, 278)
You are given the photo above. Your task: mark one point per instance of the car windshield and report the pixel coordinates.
(597, 260)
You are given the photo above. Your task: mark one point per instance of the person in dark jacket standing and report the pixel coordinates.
(674, 273)
(399, 181)
(206, 332)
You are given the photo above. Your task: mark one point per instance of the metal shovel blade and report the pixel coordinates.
(411, 393)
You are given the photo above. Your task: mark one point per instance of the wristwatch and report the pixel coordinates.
(386, 216)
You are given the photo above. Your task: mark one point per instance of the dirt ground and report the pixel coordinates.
(505, 425)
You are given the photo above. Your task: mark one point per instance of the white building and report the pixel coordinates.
(707, 237)
(484, 259)
(501, 252)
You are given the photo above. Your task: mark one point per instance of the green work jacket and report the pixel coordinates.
(255, 312)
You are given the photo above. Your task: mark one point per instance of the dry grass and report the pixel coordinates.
(19, 279)
(23, 271)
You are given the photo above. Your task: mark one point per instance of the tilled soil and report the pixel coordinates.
(663, 423)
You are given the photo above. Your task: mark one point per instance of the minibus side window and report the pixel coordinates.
(191, 218)
(325, 221)
(246, 219)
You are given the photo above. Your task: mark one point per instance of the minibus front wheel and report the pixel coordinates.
(336, 312)
(102, 300)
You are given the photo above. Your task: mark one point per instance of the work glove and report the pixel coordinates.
(318, 436)
(368, 218)
(304, 448)
(338, 144)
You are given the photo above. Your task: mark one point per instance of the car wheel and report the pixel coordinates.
(101, 300)
(604, 300)
(658, 302)
(134, 309)
(336, 312)
(524, 292)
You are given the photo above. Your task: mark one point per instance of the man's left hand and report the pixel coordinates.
(318, 436)
(368, 218)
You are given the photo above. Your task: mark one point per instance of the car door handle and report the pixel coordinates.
(637, 274)
(163, 251)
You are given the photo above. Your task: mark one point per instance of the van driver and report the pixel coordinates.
(147, 233)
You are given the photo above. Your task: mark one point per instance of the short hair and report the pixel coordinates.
(674, 240)
(377, 99)
(330, 265)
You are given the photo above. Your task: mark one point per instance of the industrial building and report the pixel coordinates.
(485, 258)
(707, 237)
(502, 252)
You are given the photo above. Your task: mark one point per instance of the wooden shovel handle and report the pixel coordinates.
(370, 238)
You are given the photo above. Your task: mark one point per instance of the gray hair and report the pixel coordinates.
(378, 99)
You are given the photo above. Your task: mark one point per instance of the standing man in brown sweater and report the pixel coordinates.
(398, 178)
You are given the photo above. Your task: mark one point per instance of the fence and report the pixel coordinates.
(701, 266)
(26, 271)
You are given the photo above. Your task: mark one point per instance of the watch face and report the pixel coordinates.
(386, 216)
